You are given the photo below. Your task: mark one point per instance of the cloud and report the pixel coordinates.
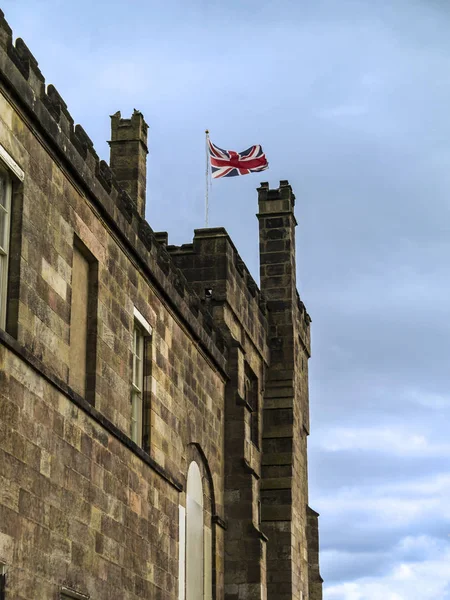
(426, 579)
(391, 440)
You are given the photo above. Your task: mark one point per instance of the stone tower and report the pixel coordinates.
(284, 485)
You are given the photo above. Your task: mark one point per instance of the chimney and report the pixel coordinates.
(277, 245)
(128, 157)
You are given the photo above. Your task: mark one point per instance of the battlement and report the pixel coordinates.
(218, 274)
(47, 111)
(203, 245)
(276, 200)
(27, 65)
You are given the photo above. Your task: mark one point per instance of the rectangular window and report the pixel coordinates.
(83, 322)
(5, 223)
(140, 408)
(137, 386)
(11, 200)
(252, 399)
(2, 581)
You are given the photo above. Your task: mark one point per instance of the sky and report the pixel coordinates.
(350, 101)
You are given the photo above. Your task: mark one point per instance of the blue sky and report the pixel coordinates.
(350, 101)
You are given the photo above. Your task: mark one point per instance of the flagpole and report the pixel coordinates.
(206, 179)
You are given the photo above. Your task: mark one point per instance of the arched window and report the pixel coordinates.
(194, 534)
(195, 542)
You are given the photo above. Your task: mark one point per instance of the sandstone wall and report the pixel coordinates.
(80, 502)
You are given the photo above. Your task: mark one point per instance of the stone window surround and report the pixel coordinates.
(9, 169)
(137, 385)
(142, 332)
(252, 403)
(92, 304)
(11, 164)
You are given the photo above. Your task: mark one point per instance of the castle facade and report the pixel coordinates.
(153, 401)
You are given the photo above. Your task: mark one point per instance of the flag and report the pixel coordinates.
(227, 163)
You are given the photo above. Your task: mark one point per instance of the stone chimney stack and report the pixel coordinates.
(277, 244)
(128, 158)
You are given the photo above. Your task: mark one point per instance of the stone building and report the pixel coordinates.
(153, 400)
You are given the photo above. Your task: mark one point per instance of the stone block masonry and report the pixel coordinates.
(219, 380)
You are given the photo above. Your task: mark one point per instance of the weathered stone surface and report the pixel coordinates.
(81, 505)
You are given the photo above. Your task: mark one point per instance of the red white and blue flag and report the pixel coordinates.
(227, 163)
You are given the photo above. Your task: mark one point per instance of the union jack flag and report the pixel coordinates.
(227, 163)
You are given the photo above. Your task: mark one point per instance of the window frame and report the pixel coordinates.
(251, 388)
(5, 232)
(137, 385)
(139, 420)
(13, 174)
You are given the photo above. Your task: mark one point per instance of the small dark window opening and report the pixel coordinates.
(2, 584)
(252, 399)
(208, 293)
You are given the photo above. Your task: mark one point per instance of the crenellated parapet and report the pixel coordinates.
(47, 113)
(218, 274)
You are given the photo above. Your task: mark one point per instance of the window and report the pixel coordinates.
(140, 422)
(251, 397)
(194, 534)
(10, 219)
(195, 566)
(2, 581)
(5, 220)
(137, 387)
(83, 322)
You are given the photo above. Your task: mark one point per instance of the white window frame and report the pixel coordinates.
(195, 543)
(141, 330)
(8, 167)
(11, 164)
(5, 234)
(137, 384)
(142, 321)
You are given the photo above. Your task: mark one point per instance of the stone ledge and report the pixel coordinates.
(217, 519)
(262, 536)
(14, 346)
(249, 469)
